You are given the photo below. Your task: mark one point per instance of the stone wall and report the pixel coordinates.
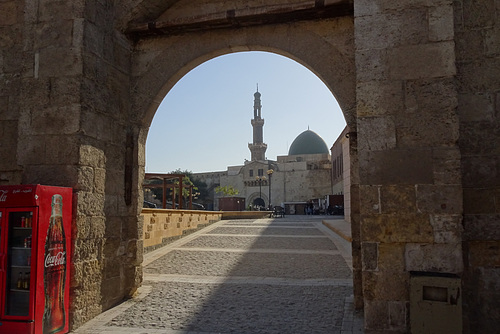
(162, 226)
(409, 163)
(477, 26)
(65, 121)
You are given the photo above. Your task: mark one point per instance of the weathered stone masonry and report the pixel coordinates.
(417, 80)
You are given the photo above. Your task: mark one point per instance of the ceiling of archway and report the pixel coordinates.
(155, 17)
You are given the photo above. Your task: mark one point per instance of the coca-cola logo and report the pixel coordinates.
(3, 195)
(55, 260)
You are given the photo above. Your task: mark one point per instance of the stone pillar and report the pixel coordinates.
(65, 121)
(409, 163)
(477, 27)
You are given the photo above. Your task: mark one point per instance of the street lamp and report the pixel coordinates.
(270, 173)
(260, 179)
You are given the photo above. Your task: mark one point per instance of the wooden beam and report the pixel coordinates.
(266, 15)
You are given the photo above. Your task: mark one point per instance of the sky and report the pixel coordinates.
(203, 123)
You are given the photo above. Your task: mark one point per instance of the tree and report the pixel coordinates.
(227, 190)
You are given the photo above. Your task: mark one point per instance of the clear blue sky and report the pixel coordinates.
(203, 124)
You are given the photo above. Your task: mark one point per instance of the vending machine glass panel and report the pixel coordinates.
(18, 274)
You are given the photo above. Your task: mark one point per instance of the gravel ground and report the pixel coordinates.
(253, 242)
(242, 309)
(218, 263)
(265, 230)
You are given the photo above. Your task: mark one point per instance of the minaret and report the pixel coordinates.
(257, 148)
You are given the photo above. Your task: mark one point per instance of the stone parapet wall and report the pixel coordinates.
(161, 225)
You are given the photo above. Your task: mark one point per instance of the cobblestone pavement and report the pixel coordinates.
(286, 275)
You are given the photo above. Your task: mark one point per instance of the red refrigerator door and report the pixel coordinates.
(17, 287)
(53, 260)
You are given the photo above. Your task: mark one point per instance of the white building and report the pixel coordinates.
(303, 176)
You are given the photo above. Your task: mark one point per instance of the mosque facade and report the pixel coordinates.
(301, 179)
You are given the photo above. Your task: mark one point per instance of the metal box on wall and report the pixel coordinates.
(435, 305)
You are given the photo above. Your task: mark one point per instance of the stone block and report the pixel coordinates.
(114, 226)
(88, 249)
(480, 201)
(396, 167)
(92, 156)
(8, 13)
(99, 180)
(398, 199)
(398, 315)
(479, 75)
(376, 316)
(369, 256)
(447, 228)
(438, 95)
(53, 11)
(393, 228)
(61, 150)
(441, 23)
(371, 65)
(480, 171)
(371, 7)
(370, 199)
(56, 120)
(90, 204)
(113, 247)
(386, 286)
(131, 231)
(479, 14)
(440, 258)
(376, 98)
(93, 39)
(492, 42)
(469, 45)
(439, 199)
(447, 166)
(85, 179)
(422, 61)
(482, 227)
(391, 257)
(477, 138)
(484, 254)
(59, 62)
(58, 33)
(392, 29)
(376, 133)
(64, 91)
(81, 228)
(112, 268)
(98, 227)
(56, 175)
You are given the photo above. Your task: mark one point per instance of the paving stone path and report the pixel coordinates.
(286, 275)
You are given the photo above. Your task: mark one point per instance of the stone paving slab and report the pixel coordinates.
(250, 264)
(234, 308)
(240, 288)
(266, 230)
(247, 280)
(252, 242)
(273, 224)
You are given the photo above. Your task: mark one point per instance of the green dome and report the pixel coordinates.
(308, 142)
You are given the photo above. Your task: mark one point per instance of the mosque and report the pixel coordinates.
(301, 179)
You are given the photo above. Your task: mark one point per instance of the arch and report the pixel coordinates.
(256, 197)
(184, 54)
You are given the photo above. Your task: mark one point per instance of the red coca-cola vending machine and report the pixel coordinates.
(35, 241)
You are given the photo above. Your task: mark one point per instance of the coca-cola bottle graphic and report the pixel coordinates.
(54, 274)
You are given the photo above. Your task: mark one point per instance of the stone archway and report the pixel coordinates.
(78, 93)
